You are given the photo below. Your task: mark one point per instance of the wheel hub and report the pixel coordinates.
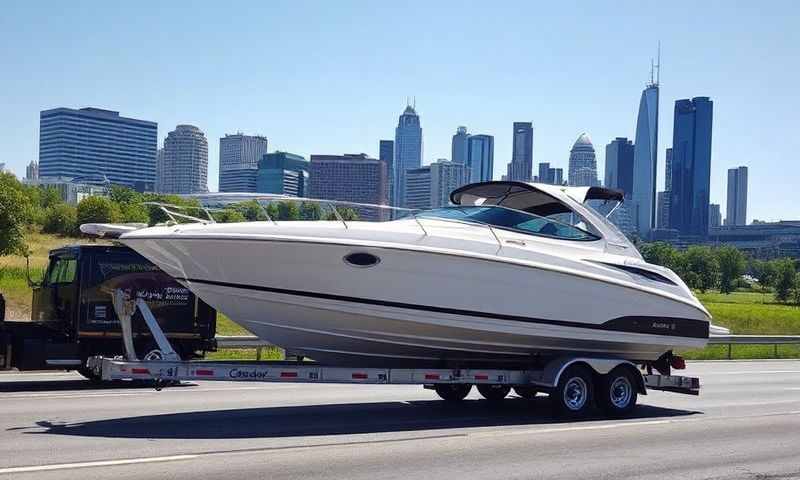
(575, 393)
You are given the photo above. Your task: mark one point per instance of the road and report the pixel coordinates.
(745, 424)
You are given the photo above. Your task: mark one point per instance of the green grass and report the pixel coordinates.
(225, 326)
(270, 353)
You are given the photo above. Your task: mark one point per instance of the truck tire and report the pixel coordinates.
(493, 393)
(616, 392)
(452, 392)
(572, 397)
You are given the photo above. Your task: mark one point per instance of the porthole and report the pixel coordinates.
(361, 259)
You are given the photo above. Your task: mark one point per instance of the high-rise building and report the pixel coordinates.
(282, 173)
(619, 165)
(714, 215)
(238, 161)
(521, 167)
(350, 178)
(444, 178)
(668, 171)
(407, 151)
(161, 171)
(582, 163)
(645, 160)
(557, 176)
(691, 166)
(552, 176)
(185, 161)
(386, 153)
(736, 209)
(32, 170)
(662, 220)
(91, 141)
(480, 159)
(418, 188)
(460, 146)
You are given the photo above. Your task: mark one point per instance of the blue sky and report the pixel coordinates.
(332, 77)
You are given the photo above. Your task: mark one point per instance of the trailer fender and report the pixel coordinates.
(551, 374)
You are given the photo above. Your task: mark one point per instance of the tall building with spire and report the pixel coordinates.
(521, 167)
(407, 151)
(583, 163)
(645, 155)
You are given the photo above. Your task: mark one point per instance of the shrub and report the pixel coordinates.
(97, 210)
(61, 219)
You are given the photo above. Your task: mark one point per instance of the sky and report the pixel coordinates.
(333, 76)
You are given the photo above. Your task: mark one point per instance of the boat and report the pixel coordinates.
(510, 274)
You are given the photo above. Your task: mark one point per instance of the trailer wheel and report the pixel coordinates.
(617, 393)
(528, 393)
(89, 374)
(572, 397)
(452, 392)
(493, 393)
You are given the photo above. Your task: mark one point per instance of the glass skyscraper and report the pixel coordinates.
(736, 209)
(238, 161)
(407, 151)
(521, 167)
(282, 173)
(691, 166)
(460, 146)
(386, 153)
(92, 141)
(480, 159)
(645, 158)
(619, 165)
(350, 178)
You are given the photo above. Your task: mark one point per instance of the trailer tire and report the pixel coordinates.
(452, 392)
(89, 374)
(572, 397)
(493, 392)
(617, 392)
(526, 392)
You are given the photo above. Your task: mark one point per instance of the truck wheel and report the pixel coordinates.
(528, 393)
(572, 397)
(617, 393)
(452, 392)
(493, 393)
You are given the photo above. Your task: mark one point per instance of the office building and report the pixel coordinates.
(714, 216)
(32, 170)
(582, 163)
(763, 240)
(185, 161)
(460, 146)
(668, 171)
(418, 188)
(662, 220)
(619, 165)
(88, 141)
(282, 173)
(549, 175)
(70, 190)
(691, 166)
(407, 151)
(736, 209)
(386, 153)
(444, 178)
(239, 155)
(521, 167)
(480, 159)
(350, 178)
(645, 160)
(161, 171)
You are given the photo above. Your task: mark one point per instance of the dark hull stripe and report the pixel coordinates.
(665, 326)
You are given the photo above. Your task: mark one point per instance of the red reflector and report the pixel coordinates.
(481, 377)
(359, 376)
(140, 370)
(288, 374)
(206, 373)
(431, 376)
(678, 363)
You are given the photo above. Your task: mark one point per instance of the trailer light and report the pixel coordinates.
(288, 374)
(359, 376)
(431, 376)
(678, 363)
(207, 373)
(481, 376)
(140, 371)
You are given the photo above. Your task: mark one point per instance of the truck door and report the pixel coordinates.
(55, 300)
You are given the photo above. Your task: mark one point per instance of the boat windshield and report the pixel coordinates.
(511, 219)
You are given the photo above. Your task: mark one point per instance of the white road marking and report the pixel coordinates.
(102, 463)
(750, 372)
(15, 396)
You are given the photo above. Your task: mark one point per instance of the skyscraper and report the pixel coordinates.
(645, 159)
(714, 215)
(350, 178)
(386, 153)
(444, 178)
(582, 163)
(93, 141)
(460, 146)
(32, 170)
(521, 167)
(544, 173)
(480, 159)
(185, 161)
(418, 188)
(663, 199)
(668, 171)
(282, 173)
(691, 166)
(407, 151)
(552, 176)
(619, 165)
(238, 161)
(736, 209)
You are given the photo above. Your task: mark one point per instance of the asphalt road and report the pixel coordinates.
(745, 424)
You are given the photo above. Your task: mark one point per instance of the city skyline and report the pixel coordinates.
(305, 116)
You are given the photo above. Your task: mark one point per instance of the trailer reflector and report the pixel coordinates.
(205, 373)
(481, 376)
(431, 376)
(140, 371)
(360, 376)
(288, 374)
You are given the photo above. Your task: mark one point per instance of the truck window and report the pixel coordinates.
(63, 271)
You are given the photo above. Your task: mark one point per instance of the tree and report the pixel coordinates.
(61, 219)
(157, 214)
(97, 210)
(15, 215)
(229, 215)
(784, 279)
(731, 266)
(703, 263)
(796, 290)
